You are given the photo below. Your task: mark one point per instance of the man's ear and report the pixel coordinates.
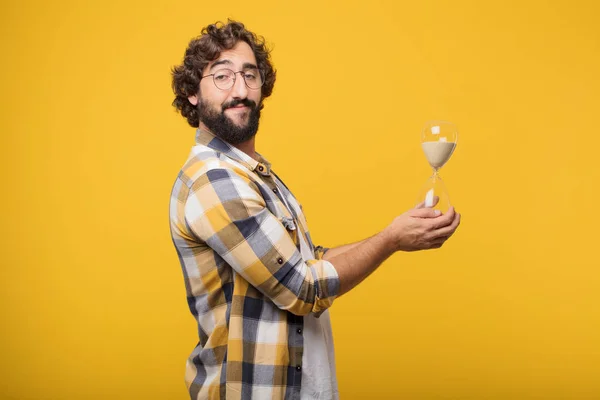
(193, 100)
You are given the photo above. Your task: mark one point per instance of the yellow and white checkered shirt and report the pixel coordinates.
(236, 228)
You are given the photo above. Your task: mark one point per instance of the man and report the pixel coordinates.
(257, 286)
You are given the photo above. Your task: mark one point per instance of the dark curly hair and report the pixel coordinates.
(206, 48)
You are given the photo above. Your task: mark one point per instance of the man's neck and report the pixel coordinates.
(247, 147)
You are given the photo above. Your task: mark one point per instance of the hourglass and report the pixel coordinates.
(438, 141)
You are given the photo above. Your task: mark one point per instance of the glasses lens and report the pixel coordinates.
(224, 79)
(254, 78)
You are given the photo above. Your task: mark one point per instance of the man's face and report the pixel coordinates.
(232, 114)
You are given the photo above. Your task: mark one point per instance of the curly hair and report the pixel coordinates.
(206, 48)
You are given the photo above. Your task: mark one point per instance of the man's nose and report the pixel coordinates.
(239, 89)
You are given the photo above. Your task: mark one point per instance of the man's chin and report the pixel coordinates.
(239, 123)
(232, 126)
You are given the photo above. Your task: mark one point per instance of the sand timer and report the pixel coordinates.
(438, 141)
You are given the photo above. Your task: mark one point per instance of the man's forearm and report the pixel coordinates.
(359, 260)
(335, 251)
(416, 229)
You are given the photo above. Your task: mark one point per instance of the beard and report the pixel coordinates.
(223, 127)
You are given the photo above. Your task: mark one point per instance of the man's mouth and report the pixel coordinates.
(238, 107)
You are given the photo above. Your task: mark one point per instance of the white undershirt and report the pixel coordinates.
(318, 360)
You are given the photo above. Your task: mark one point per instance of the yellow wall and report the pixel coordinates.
(92, 298)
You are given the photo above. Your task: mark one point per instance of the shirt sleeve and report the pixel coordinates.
(225, 210)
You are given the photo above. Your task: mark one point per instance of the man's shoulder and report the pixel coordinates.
(202, 160)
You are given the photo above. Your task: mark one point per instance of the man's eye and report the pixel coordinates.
(250, 76)
(221, 77)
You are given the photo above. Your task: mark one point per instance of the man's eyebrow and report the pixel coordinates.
(220, 62)
(249, 66)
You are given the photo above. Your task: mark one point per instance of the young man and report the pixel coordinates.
(257, 286)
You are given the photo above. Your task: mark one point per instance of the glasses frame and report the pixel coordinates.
(261, 73)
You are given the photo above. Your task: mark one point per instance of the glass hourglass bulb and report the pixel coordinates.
(438, 141)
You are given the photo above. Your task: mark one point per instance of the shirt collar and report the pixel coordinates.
(207, 138)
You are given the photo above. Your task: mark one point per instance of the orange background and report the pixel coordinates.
(92, 301)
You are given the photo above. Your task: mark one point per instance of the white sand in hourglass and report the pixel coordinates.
(438, 153)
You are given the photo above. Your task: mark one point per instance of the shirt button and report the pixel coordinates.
(261, 168)
(275, 190)
(298, 368)
(299, 331)
(280, 261)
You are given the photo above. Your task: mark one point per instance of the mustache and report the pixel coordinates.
(234, 103)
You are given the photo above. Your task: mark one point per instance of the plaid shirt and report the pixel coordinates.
(247, 284)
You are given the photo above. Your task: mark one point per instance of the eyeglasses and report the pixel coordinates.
(224, 79)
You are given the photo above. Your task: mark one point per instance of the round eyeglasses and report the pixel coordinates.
(224, 79)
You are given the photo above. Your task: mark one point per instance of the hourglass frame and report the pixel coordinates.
(438, 142)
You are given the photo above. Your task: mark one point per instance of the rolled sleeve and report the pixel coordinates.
(226, 211)
(327, 283)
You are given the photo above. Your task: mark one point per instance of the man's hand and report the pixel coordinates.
(422, 228)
